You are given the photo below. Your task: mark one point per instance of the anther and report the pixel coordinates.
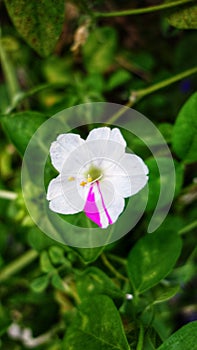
(89, 179)
(83, 183)
(71, 178)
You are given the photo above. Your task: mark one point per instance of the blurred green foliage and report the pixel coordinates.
(136, 292)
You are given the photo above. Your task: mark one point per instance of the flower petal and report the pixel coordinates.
(116, 205)
(54, 188)
(62, 147)
(61, 206)
(95, 208)
(102, 149)
(117, 137)
(103, 204)
(133, 164)
(99, 134)
(91, 210)
(106, 133)
(64, 196)
(104, 142)
(129, 176)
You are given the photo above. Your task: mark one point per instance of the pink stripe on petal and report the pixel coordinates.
(91, 209)
(103, 204)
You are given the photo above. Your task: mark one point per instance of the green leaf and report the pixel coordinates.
(3, 236)
(184, 57)
(183, 274)
(5, 320)
(184, 17)
(56, 254)
(155, 180)
(45, 263)
(38, 240)
(184, 138)
(93, 281)
(99, 49)
(40, 284)
(58, 71)
(165, 294)
(38, 22)
(20, 127)
(166, 130)
(152, 258)
(89, 255)
(118, 78)
(148, 344)
(57, 282)
(183, 339)
(97, 326)
(3, 96)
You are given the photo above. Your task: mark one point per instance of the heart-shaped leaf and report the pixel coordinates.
(183, 339)
(152, 258)
(184, 18)
(97, 326)
(38, 22)
(184, 138)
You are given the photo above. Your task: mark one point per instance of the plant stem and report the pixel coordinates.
(71, 292)
(20, 96)
(162, 84)
(135, 96)
(144, 10)
(18, 264)
(8, 195)
(117, 259)
(112, 268)
(188, 228)
(141, 338)
(9, 73)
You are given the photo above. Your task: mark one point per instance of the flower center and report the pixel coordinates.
(93, 174)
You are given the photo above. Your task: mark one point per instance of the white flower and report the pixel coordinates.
(95, 175)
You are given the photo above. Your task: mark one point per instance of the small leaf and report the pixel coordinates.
(148, 342)
(38, 240)
(183, 274)
(166, 131)
(58, 71)
(45, 263)
(93, 281)
(89, 255)
(20, 127)
(5, 320)
(156, 179)
(166, 294)
(183, 339)
(99, 49)
(97, 326)
(184, 18)
(184, 138)
(56, 254)
(38, 22)
(40, 284)
(152, 258)
(118, 78)
(57, 282)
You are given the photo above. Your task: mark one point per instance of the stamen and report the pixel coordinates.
(71, 178)
(89, 179)
(83, 183)
(98, 178)
(93, 175)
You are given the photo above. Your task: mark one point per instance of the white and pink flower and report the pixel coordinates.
(95, 175)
